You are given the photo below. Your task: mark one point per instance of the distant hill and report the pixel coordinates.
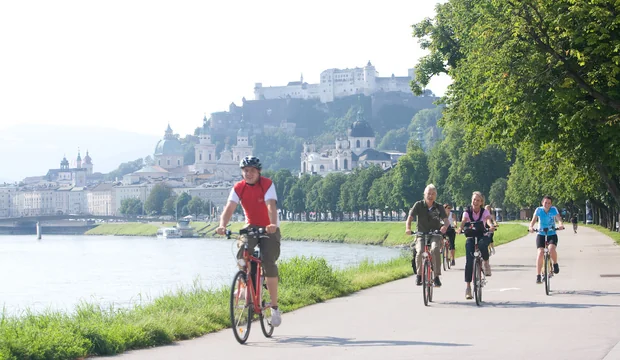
(31, 150)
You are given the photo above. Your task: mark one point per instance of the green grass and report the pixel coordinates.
(93, 330)
(614, 235)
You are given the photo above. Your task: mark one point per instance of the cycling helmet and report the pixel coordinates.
(251, 161)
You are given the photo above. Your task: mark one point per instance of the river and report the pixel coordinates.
(60, 271)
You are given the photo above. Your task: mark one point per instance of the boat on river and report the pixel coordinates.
(168, 233)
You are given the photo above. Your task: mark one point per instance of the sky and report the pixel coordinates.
(141, 65)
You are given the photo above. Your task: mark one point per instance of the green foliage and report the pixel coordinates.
(155, 201)
(124, 169)
(395, 140)
(410, 176)
(278, 150)
(180, 205)
(169, 208)
(196, 206)
(497, 193)
(424, 126)
(543, 75)
(131, 206)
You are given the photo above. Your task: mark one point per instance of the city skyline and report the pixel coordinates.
(139, 66)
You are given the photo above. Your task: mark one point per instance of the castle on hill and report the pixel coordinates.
(336, 83)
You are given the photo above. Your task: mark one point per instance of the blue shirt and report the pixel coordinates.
(546, 219)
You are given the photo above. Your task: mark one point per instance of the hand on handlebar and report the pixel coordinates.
(221, 230)
(408, 232)
(271, 228)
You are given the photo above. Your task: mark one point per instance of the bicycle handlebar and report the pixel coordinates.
(251, 231)
(546, 230)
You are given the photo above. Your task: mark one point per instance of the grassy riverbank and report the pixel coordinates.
(369, 233)
(93, 330)
(612, 234)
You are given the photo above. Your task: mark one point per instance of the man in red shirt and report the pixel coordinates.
(258, 199)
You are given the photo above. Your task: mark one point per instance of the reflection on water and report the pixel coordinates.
(60, 271)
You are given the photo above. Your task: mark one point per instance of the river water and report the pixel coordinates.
(58, 272)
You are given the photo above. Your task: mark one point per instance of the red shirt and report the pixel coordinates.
(252, 198)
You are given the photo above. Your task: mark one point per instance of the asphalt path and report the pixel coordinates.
(517, 320)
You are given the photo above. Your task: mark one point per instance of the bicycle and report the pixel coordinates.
(445, 253)
(479, 278)
(428, 273)
(547, 262)
(246, 294)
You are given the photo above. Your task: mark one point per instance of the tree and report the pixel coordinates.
(196, 206)
(155, 201)
(497, 193)
(131, 206)
(149, 161)
(410, 176)
(329, 192)
(395, 140)
(542, 73)
(124, 169)
(168, 208)
(295, 201)
(180, 205)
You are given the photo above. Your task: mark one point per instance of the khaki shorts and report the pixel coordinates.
(270, 251)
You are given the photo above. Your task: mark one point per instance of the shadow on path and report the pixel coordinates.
(527, 304)
(586, 293)
(317, 341)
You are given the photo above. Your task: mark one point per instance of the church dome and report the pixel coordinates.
(87, 159)
(361, 129)
(242, 133)
(169, 147)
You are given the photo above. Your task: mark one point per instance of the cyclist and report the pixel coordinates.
(257, 195)
(575, 222)
(429, 217)
(547, 214)
(451, 232)
(491, 244)
(480, 217)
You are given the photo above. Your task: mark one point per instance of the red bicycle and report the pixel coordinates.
(428, 273)
(246, 294)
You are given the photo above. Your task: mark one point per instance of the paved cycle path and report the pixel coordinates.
(580, 320)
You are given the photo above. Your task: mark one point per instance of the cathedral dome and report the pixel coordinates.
(361, 129)
(169, 147)
(87, 159)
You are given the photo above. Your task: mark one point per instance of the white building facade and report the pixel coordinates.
(335, 83)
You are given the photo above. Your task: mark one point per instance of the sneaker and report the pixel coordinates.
(468, 294)
(276, 319)
(453, 263)
(556, 268)
(418, 280)
(437, 281)
(538, 279)
(487, 268)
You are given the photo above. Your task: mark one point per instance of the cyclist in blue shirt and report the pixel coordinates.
(547, 215)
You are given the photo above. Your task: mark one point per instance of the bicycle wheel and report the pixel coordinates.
(426, 281)
(431, 282)
(241, 310)
(547, 274)
(265, 314)
(444, 258)
(448, 257)
(478, 281)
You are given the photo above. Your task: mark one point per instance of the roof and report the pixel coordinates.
(152, 169)
(170, 146)
(374, 155)
(361, 129)
(103, 187)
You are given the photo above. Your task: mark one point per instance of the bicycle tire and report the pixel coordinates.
(478, 281)
(425, 282)
(449, 258)
(547, 265)
(444, 258)
(240, 320)
(431, 283)
(265, 314)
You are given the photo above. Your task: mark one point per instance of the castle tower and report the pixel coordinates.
(370, 77)
(64, 164)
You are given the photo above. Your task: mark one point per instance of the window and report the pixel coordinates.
(322, 168)
(209, 157)
(168, 161)
(367, 143)
(346, 164)
(158, 162)
(336, 164)
(357, 144)
(200, 157)
(179, 161)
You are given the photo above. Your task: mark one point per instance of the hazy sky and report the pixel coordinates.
(139, 65)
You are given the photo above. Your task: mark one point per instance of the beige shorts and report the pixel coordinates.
(270, 251)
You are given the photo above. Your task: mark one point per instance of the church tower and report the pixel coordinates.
(205, 150)
(243, 148)
(88, 164)
(78, 162)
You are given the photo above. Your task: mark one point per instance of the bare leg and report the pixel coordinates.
(553, 253)
(539, 261)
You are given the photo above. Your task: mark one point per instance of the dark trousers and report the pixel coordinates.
(483, 246)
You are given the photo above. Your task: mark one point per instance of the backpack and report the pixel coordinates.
(476, 228)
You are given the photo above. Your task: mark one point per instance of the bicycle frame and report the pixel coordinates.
(255, 290)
